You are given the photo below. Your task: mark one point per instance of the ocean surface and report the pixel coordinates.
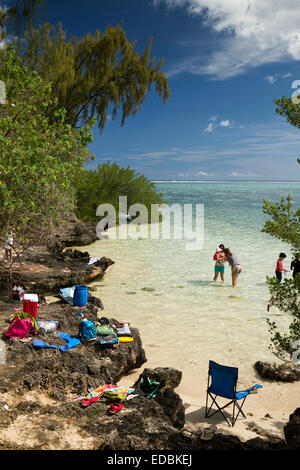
(168, 293)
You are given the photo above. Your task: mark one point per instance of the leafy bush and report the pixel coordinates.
(284, 225)
(104, 186)
(285, 297)
(40, 157)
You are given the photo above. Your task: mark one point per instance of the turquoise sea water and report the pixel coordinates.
(167, 292)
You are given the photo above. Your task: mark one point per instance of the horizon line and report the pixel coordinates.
(225, 181)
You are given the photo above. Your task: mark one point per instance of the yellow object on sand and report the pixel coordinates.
(125, 339)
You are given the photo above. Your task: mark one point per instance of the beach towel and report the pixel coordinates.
(110, 391)
(124, 330)
(119, 393)
(71, 343)
(106, 342)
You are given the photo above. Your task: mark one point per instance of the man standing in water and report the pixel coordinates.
(236, 268)
(295, 265)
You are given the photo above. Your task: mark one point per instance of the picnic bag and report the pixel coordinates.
(107, 342)
(87, 330)
(21, 325)
(104, 330)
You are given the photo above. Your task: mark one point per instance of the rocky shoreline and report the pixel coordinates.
(39, 387)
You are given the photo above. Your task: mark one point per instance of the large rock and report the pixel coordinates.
(172, 405)
(292, 430)
(170, 401)
(287, 372)
(168, 375)
(74, 232)
(62, 373)
(46, 273)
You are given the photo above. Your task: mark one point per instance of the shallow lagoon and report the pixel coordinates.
(167, 292)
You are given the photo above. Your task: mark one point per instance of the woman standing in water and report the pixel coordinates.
(236, 268)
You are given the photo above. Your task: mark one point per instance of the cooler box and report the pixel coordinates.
(30, 304)
(80, 298)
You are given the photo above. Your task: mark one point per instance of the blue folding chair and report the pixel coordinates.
(222, 382)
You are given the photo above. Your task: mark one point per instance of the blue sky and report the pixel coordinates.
(226, 60)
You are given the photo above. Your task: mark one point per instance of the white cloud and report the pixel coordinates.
(202, 173)
(224, 123)
(244, 175)
(271, 79)
(267, 151)
(254, 32)
(209, 128)
(194, 174)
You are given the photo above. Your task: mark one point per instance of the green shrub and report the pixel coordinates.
(107, 183)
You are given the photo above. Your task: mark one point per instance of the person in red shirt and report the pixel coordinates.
(279, 268)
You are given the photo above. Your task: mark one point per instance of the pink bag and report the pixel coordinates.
(19, 328)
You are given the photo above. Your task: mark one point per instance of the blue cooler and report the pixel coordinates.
(80, 298)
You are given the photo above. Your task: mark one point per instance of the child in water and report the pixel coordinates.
(279, 267)
(220, 263)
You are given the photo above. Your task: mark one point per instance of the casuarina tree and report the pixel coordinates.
(98, 75)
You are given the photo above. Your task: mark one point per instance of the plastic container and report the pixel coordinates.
(2, 353)
(17, 293)
(30, 304)
(80, 296)
(46, 327)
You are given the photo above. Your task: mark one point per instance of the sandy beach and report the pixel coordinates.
(266, 412)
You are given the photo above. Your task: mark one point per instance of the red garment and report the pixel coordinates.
(279, 267)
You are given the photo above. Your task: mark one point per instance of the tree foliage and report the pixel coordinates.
(285, 297)
(40, 158)
(104, 186)
(94, 75)
(16, 16)
(287, 108)
(284, 224)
